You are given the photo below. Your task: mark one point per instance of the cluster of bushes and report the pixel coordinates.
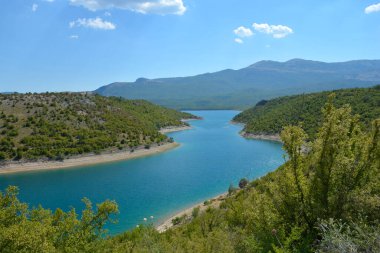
(322, 200)
(39, 230)
(58, 125)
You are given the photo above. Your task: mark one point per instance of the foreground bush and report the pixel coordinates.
(39, 230)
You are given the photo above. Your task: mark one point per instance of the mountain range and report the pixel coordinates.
(240, 89)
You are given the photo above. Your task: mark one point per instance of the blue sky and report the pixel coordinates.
(77, 45)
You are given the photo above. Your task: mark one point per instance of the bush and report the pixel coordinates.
(195, 212)
(12, 133)
(179, 220)
(243, 183)
(231, 189)
(342, 237)
(23, 229)
(19, 154)
(60, 157)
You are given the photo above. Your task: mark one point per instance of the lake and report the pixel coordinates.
(212, 155)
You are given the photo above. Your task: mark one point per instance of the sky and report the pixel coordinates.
(80, 45)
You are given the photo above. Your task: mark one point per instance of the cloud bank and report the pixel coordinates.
(94, 23)
(277, 31)
(243, 32)
(372, 8)
(161, 7)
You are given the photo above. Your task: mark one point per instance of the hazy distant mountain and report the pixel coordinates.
(244, 87)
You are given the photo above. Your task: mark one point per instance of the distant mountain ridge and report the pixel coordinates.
(231, 89)
(353, 69)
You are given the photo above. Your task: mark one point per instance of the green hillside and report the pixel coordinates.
(269, 117)
(59, 125)
(243, 88)
(325, 200)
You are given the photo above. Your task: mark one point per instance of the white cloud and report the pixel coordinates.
(277, 31)
(243, 32)
(372, 8)
(34, 7)
(107, 14)
(95, 23)
(238, 40)
(50, 1)
(74, 37)
(161, 7)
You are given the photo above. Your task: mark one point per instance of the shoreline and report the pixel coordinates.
(266, 137)
(167, 223)
(93, 159)
(85, 160)
(166, 130)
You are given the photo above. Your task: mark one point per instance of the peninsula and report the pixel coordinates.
(60, 130)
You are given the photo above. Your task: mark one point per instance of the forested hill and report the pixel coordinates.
(269, 117)
(58, 125)
(243, 88)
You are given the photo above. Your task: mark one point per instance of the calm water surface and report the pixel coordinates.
(211, 156)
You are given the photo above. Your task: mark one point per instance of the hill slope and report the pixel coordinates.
(269, 117)
(244, 87)
(57, 125)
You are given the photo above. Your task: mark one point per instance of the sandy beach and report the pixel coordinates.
(85, 160)
(267, 137)
(174, 129)
(214, 202)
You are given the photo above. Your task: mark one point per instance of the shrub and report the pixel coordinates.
(231, 189)
(179, 219)
(195, 212)
(243, 183)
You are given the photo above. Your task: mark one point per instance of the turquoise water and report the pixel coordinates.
(211, 156)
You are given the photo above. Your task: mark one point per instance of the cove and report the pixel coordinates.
(212, 155)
